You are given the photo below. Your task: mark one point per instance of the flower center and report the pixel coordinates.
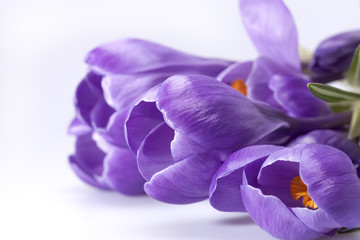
(298, 189)
(239, 85)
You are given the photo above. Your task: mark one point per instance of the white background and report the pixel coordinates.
(42, 46)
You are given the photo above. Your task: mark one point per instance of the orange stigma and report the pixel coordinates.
(298, 189)
(240, 86)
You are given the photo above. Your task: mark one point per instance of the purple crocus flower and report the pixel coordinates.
(333, 56)
(119, 72)
(275, 77)
(301, 192)
(184, 129)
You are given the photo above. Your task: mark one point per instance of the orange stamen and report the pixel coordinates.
(240, 86)
(298, 189)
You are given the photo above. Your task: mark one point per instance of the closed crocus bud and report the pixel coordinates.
(119, 72)
(333, 56)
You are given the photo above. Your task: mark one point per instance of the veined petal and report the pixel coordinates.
(317, 220)
(154, 153)
(225, 192)
(186, 181)
(121, 172)
(274, 217)
(332, 183)
(272, 30)
(216, 115)
(128, 56)
(183, 147)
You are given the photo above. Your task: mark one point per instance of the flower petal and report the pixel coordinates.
(129, 56)
(183, 147)
(87, 162)
(236, 71)
(332, 183)
(154, 153)
(142, 118)
(292, 94)
(121, 172)
(317, 220)
(216, 115)
(225, 192)
(274, 217)
(186, 181)
(334, 54)
(272, 30)
(332, 138)
(78, 127)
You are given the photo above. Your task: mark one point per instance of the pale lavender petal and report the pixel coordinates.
(317, 220)
(272, 30)
(154, 153)
(225, 192)
(121, 172)
(274, 217)
(78, 127)
(129, 56)
(186, 181)
(235, 72)
(332, 183)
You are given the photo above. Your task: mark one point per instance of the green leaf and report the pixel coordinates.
(332, 94)
(338, 107)
(354, 71)
(355, 122)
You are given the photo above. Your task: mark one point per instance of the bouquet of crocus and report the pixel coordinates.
(266, 136)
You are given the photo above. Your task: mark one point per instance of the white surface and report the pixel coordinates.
(42, 46)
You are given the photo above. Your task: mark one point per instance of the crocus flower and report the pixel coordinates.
(275, 77)
(333, 56)
(119, 72)
(184, 129)
(301, 192)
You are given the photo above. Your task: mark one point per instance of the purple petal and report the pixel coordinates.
(186, 181)
(100, 114)
(333, 55)
(121, 172)
(87, 162)
(85, 101)
(332, 138)
(274, 217)
(258, 82)
(235, 72)
(78, 127)
(154, 153)
(142, 118)
(292, 94)
(216, 115)
(318, 219)
(130, 56)
(332, 183)
(183, 147)
(225, 192)
(272, 30)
